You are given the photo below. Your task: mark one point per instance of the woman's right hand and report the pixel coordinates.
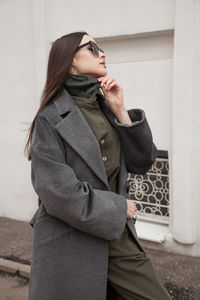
(131, 209)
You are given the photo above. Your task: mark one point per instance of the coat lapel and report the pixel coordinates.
(75, 130)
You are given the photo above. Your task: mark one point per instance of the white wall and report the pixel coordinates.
(142, 64)
(108, 18)
(31, 26)
(18, 102)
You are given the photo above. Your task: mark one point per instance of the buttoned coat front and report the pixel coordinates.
(78, 215)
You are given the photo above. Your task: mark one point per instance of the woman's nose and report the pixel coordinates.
(102, 54)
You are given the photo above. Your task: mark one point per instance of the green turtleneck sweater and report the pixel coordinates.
(83, 91)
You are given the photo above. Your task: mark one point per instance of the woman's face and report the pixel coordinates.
(86, 63)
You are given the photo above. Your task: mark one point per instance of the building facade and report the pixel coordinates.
(153, 50)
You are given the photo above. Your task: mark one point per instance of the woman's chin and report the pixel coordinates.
(103, 73)
(98, 74)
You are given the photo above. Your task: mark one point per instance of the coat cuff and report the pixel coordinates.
(137, 116)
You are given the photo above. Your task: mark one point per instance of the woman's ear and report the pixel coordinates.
(72, 69)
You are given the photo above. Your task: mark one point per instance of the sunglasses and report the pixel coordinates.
(95, 49)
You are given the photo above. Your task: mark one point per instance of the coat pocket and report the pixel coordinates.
(38, 214)
(34, 218)
(47, 228)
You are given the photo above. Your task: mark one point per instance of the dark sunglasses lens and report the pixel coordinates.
(95, 49)
(101, 50)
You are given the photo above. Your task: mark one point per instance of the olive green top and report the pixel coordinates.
(108, 138)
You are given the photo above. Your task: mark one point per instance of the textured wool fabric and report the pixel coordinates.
(78, 215)
(82, 86)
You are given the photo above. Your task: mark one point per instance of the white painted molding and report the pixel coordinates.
(182, 165)
(151, 231)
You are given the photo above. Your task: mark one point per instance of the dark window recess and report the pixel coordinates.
(151, 191)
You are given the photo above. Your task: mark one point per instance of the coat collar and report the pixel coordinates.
(75, 130)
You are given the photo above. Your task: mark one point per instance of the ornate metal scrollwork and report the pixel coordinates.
(151, 191)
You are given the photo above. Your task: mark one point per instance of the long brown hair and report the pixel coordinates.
(60, 59)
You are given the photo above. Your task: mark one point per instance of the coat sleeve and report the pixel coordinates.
(137, 142)
(97, 212)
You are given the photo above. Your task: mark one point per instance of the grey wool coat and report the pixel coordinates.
(78, 215)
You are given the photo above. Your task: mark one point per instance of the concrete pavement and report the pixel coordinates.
(13, 287)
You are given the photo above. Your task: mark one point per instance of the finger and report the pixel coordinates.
(104, 81)
(108, 82)
(111, 85)
(101, 78)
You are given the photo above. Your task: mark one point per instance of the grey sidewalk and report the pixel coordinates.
(180, 274)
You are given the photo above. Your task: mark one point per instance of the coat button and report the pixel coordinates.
(102, 141)
(104, 158)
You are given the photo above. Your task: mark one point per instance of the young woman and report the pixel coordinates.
(82, 143)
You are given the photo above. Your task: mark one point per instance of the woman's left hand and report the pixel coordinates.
(113, 93)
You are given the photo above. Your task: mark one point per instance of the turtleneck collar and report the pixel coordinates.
(82, 86)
